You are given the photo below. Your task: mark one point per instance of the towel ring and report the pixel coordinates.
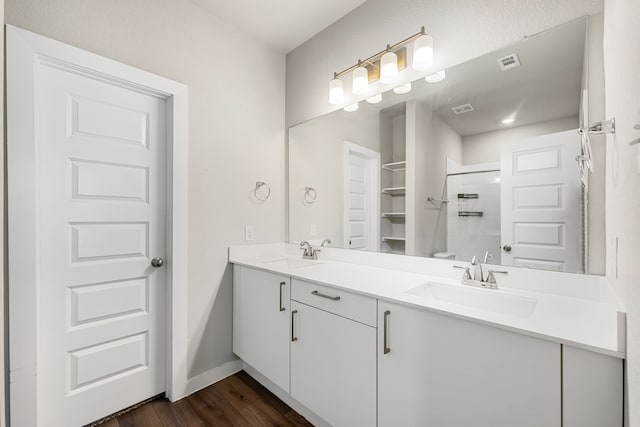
(310, 195)
(260, 184)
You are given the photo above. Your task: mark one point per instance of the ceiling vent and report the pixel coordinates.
(461, 109)
(509, 61)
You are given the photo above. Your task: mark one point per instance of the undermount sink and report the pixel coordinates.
(489, 300)
(291, 263)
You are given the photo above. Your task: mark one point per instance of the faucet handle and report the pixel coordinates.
(491, 279)
(467, 272)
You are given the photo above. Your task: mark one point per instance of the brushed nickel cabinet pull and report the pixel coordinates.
(282, 284)
(293, 335)
(386, 332)
(318, 294)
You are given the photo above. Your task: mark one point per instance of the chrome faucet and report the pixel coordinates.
(325, 242)
(477, 269)
(478, 278)
(309, 251)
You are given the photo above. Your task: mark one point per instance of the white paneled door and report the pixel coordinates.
(361, 201)
(541, 195)
(101, 174)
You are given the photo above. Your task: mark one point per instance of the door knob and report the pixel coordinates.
(157, 262)
(506, 248)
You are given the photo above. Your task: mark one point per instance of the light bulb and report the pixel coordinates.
(375, 99)
(351, 108)
(509, 120)
(360, 84)
(336, 92)
(423, 52)
(436, 77)
(389, 68)
(401, 90)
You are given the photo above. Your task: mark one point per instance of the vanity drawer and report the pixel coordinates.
(352, 306)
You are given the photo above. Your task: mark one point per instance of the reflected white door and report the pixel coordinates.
(361, 201)
(101, 185)
(541, 195)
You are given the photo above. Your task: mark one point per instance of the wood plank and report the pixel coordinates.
(144, 416)
(238, 400)
(260, 414)
(215, 410)
(177, 414)
(263, 394)
(236, 392)
(296, 419)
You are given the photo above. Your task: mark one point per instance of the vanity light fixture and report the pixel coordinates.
(360, 84)
(436, 77)
(401, 90)
(389, 67)
(384, 66)
(375, 99)
(336, 91)
(351, 108)
(423, 51)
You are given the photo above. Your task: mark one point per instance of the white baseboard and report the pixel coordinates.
(212, 376)
(286, 397)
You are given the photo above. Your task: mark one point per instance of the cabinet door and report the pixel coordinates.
(261, 322)
(333, 366)
(444, 371)
(592, 389)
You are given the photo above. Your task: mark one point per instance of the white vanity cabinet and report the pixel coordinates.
(261, 309)
(437, 370)
(591, 389)
(333, 361)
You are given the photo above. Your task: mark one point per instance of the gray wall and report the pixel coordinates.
(316, 160)
(485, 147)
(622, 68)
(462, 30)
(236, 135)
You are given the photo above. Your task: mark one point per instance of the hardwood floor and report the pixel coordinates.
(238, 400)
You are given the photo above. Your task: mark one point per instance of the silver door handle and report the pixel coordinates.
(282, 284)
(318, 294)
(293, 335)
(506, 248)
(157, 262)
(386, 349)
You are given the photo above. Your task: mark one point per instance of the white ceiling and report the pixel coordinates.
(283, 24)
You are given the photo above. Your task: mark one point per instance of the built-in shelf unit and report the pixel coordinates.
(394, 215)
(395, 191)
(395, 166)
(393, 179)
(393, 239)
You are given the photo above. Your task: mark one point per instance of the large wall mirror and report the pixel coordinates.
(481, 162)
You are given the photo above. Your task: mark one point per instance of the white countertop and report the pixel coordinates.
(592, 320)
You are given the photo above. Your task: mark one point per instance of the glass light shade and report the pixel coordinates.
(436, 77)
(360, 81)
(389, 68)
(423, 52)
(351, 108)
(375, 99)
(401, 90)
(336, 92)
